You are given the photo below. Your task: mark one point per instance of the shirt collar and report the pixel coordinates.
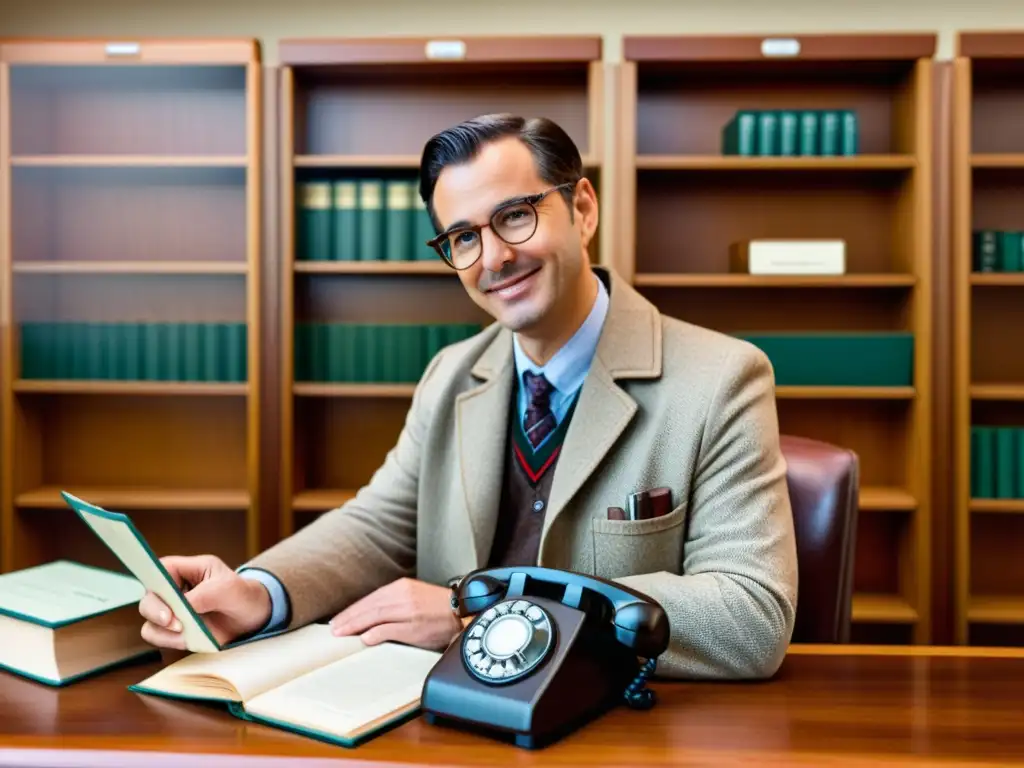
(567, 369)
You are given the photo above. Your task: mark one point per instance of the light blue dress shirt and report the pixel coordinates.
(566, 371)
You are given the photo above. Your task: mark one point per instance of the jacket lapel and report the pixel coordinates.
(630, 347)
(482, 430)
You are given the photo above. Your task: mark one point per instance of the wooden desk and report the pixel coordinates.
(827, 707)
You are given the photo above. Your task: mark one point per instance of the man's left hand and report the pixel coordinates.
(406, 610)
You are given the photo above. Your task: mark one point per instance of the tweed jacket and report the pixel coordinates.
(665, 403)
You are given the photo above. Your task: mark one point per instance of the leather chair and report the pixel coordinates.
(823, 489)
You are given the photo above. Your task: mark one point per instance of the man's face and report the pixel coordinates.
(519, 285)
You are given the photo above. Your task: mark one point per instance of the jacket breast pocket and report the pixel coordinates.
(630, 547)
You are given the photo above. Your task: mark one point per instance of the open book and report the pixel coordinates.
(336, 689)
(61, 621)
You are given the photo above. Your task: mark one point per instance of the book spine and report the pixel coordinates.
(984, 461)
(739, 137)
(423, 230)
(371, 219)
(849, 135)
(985, 250)
(210, 355)
(768, 133)
(810, 144)
(314, 221)
(346, 221)
(829, 127)
(1010, 251)
(1019, 490)
(1006, 462)
(789, 133)
(398, 216)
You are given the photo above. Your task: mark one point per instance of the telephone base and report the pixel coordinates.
(523, 740)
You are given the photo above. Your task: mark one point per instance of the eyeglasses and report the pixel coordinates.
(515, 223)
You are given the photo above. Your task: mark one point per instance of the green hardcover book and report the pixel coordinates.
(313, 219)
(398, 219)
(423, 230)
(1006, 462)
(334, 342)
(739, 135)
(34, 355)
(346, 220)
(789, 133)
(81, 351)
(212, 369)
(830, 132)
(192, 352)
(768, 133)
(985, 250)
(47, 610)
(849, 135)
(1019, 491)
(151, 346)
(130, 341)
(173, 358)
(810, 144)
(233, 342)
(371, 219)
(1010, 251)
(984, 461)
(365, 338)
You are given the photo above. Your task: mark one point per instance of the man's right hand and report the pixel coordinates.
(230, 605)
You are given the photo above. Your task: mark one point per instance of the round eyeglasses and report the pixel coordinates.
(515, 222)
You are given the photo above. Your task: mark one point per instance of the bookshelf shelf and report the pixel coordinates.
(106, 387)
(130, 268)
(997, 506)
(206, 499)
(127, 161)
(988, 285)
(720, 163)
(130, 295)
(998, 160)
(712, 280)
(355, 114)
(690, 189)
(353, 390)
(376, 268)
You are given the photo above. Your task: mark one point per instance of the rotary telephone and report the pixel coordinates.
(548, 651)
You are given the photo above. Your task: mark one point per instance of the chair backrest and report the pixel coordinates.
(823, 489)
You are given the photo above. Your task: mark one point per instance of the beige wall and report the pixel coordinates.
(269, 20)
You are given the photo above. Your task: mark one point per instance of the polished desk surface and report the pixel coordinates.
(828, 706)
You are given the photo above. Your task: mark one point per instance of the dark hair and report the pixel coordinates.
(555, 154)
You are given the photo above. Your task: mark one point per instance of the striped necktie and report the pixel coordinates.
(540, 421)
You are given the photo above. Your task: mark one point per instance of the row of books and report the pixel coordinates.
(145, 351)
(791, 132)
(362, 219)
(371, 353)
(994, 250)
(997, 462)
(850, 359)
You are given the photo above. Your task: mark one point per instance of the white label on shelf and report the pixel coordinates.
(780, 47)
(446, 49)
(123, 49)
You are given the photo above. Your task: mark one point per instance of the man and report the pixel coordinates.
(519, 439)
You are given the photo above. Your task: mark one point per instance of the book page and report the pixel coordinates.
(120, 535)
(255, 667)
(353, 695)
(62, 591)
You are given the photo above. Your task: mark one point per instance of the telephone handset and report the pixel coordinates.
(548, 650)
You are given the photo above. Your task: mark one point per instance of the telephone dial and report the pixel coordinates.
(548, 651)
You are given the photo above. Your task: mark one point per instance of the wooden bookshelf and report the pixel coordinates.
(988, 198)
(683, 204)
(354, 109)
(130, 294)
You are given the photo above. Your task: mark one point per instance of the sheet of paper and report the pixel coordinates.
(64, 591)
(125, 541)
